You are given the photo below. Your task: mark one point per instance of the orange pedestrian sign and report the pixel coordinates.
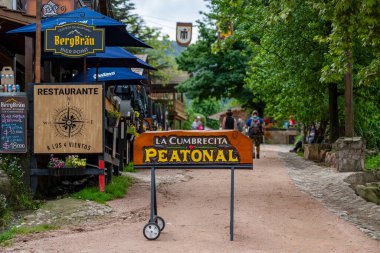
(195, 148)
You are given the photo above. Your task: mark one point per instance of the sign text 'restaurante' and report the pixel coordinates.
(67, 91)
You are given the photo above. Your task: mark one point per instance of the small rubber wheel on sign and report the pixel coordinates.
(151, 231)
(160, 222)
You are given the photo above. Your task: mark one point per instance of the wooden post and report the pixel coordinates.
(85, 69)
(348, 97)
(37, 66)
(28, 62)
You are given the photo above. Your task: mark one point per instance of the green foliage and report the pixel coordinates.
(372, 162)
(129, 167)
(11, 233)
(113, 114)
(116, 189)
(73, 161)
(20, 196)
(5, 215)
(293, 50)
(216, 73)
(202, 108)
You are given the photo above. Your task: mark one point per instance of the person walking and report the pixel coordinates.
(197, 124)
(255, 132)
(229, 122)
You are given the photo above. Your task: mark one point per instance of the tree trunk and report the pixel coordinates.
(333, 112)
(348, 97)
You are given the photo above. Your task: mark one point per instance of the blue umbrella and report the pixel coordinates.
(112, 57)
(113, 75)
(116, 33)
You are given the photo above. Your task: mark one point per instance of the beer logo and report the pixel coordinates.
(184, 34)
(74, 40)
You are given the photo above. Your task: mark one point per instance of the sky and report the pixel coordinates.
(165, 14)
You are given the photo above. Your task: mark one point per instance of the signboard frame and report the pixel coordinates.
(156, 224)
(23, 99)
(32, 113)
(51, 32)
(188, 33)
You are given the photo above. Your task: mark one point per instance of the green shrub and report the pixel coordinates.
(116, 189)
(5, 216)
(9, 234)
(20, 196)
(113, 114)
(372, 162)
(129, 167)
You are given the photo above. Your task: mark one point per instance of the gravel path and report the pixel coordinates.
(327, 186)
(271, 215)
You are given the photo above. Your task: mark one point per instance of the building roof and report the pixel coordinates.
(218, 115)
(158, 86)
(175, 78)
(16, 16)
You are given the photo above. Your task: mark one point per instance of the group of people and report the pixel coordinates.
(253, 127)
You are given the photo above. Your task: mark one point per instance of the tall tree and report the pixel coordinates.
(215, 73)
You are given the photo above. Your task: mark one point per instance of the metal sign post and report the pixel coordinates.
(190, 150)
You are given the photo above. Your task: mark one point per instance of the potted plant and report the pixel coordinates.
(55, 163)
(112, 117)
(73, 161)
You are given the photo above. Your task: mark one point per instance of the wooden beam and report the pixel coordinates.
(28, 61)
(16, 16)
(37, 63)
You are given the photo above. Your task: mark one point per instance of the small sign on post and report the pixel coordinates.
(199, 148)
(74, 40)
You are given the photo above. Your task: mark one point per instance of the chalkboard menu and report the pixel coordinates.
(13, 120)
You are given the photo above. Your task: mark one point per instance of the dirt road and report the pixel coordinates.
(271, 215)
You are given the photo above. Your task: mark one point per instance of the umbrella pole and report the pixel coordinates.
(37, 67)
(85, 69)
(97, 72)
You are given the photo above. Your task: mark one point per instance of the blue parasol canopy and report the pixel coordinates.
(116, 33)
(114, 75)
(112, 57)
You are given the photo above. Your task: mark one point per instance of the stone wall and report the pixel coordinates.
(280, 136)
(350, 154)
(316, 152)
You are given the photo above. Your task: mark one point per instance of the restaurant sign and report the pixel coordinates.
(74, 40)
(203, 148)
(68, 118)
